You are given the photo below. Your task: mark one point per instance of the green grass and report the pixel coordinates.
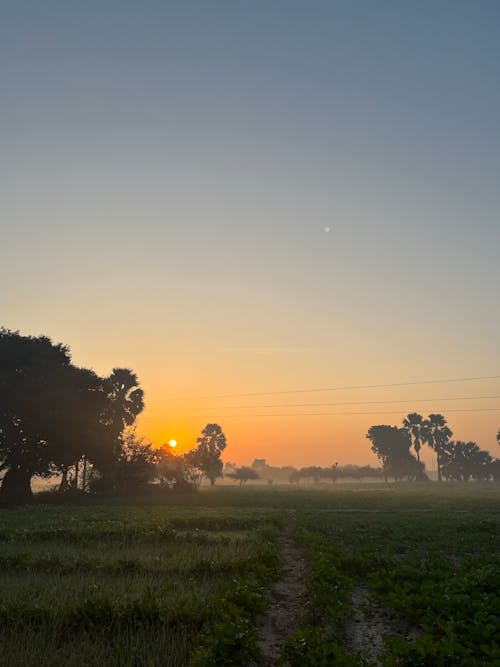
(181, 582)
(129, 585)
(438, 572)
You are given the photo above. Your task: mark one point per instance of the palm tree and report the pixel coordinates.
(413, 425)
(437, 434)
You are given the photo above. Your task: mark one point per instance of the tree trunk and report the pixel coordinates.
(84, 474)
(438, 460)
(16, 487)
(64, 481)
(212, 481)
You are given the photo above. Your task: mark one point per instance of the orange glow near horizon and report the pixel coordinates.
(267, 427)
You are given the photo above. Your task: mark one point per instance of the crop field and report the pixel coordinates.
(390, 575)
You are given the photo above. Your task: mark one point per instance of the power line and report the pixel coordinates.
(333, 414)
(304, 405)
(341, 388)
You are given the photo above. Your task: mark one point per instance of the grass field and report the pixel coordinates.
(399, 575)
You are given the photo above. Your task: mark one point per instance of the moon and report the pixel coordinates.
(327, 229)
(172, 443)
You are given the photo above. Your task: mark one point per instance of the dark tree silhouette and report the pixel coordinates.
(207, 455)
(126, 400)
(495, 470)
(463, 460)
(49, 411)
(137, 463)
(437, 434)
(125, 403)
(414, 426)
(243, 474)
(392, 446)
(53, 414)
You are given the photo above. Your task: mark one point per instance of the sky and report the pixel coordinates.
(236, 199)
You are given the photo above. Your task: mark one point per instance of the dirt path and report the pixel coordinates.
(369, 623)
(287, 610)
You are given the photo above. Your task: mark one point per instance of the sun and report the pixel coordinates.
(172, 443)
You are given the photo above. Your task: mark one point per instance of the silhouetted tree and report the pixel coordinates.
(243, 474)
(392, 447)
(437, 434)
(463, 460)
(414, 426)
(125, 403)
(137, 463)
(495, 470)
(175, 472)
(49, 411)
(207, 455)
(52, 413)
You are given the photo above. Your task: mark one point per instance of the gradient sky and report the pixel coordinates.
(167, 171)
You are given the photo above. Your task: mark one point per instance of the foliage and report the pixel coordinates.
(463, 460)
(437, 435)
(133, 585)
(144, 582)
(392, 446)
(50, 412)
(436, 573)
(414, 425)
(243, 474)
(206, 457)
(310, 647)
(317, 474)
(53, 414)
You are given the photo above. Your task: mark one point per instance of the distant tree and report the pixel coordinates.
(498, 437)
(414, 426)
(358, 472)
(243, 474)
(175, 472)
(392, 447)
(207, 455)
(369, 472)
(495, 470)
(463, 460)
(313, 473)
(437, 435)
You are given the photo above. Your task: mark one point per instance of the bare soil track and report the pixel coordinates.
(369, 624)
(288, 599)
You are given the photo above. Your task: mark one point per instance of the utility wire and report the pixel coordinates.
(333, 414)
(305, 405)
(345, 387)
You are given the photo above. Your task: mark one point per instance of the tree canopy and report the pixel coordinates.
(392, 447)
(206, 457)
(52, 412)
(243, 474)
(463, 460)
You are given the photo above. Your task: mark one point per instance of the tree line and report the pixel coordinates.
(455, 459)
(60, 419)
